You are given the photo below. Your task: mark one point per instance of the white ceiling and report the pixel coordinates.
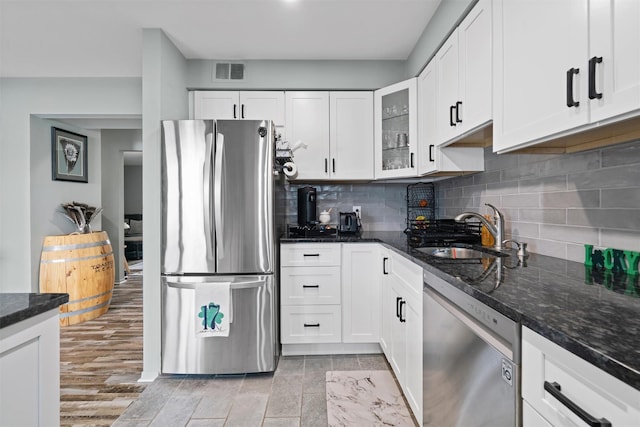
(103, 38)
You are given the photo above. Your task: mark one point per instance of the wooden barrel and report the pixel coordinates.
(82, 266)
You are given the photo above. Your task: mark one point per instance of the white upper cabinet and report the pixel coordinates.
(433, 157)
(336, 129)
(351, 135)
(215, 104)
(257, 105)
(308, 122)
(427, 112)
(396, 130)
(561, 67)
(463, 70)
(614, 57)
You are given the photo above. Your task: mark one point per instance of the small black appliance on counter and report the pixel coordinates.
(307, 206)
(348, 223)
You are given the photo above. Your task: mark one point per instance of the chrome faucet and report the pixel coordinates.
(497, 230)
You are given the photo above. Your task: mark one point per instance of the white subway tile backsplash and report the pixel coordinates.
(509, 187)
(547, 247)
(520, 229)
(544, 216)
(575, 252)
(620, 239)
(554, 202)
(621, 197)
(486, 177)
(543, 185)
(605, 218)
(589, 197)
(571, 199)
(474, 190)
(615, 177)
(570, 234)
(531, 200)
(624, 154)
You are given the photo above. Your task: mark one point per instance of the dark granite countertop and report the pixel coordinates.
(589, 313)
(15, 307)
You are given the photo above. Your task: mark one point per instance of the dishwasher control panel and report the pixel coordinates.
(507, 371)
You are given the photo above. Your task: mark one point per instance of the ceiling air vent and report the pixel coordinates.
(227, 71)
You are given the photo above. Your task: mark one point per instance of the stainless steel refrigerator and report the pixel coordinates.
(219, 305)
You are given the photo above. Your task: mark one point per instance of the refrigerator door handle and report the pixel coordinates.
(234, 285)
(207, 195)
(217, 192)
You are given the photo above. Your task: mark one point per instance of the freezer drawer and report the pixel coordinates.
(252, 342)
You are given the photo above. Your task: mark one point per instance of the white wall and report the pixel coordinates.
(448, 15)
(132, 189)
(47, 194)
(22, 98)
(114, 143)
(164, 97)
(300, 75)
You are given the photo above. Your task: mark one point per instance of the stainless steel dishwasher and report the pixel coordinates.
(471, 361)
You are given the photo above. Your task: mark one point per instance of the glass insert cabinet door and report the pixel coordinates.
(396, 130)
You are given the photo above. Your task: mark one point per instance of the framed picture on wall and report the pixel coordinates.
(68, 156)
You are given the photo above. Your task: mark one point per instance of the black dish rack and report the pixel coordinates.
(423, 229)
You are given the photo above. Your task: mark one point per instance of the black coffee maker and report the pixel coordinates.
(307, 206)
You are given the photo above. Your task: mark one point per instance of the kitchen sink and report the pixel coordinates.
(453, 252)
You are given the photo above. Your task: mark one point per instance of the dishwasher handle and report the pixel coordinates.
(555, 390)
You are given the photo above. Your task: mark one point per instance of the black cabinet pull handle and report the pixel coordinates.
(451, 122)
(431, 153)
(326, 165)
(592, 77)
(242, 111)
(235, 111)
(312, 325)
(570, 101)
(385, 260)
(333, 165)
(398, 300)
(411, 160)
(310, 286)
(402, 319)
(458, 105)
(311, 255)
(554, 389)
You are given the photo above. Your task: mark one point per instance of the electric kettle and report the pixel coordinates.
(348, 222)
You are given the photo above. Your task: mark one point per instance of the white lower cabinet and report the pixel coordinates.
(310, 310)
(557, 385)
(302, 324)
(30, 371)
(401, 337)
(354, 298)
(387, 310)
(329, 298)
(531, 418)
(361, 283)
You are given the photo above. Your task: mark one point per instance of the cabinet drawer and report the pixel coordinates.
(309, 254)
(304, 324)
(590, 388)
(409, 272)
(309, 285)
(530, 418)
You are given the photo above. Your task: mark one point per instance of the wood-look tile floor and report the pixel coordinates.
(101, 361)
